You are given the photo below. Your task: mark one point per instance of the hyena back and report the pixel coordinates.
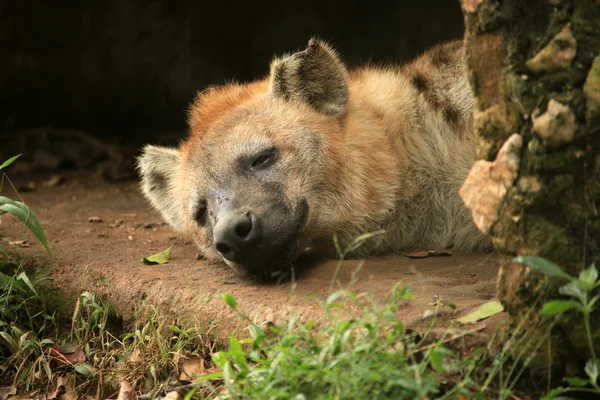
(276, 168)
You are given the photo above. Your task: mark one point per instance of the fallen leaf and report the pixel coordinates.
(126, 392)
(116, 224)
(94, 219)
(131, 215)
(428, 253)
(53, 181)
(29, 187)
(20, 243)
(7, 391)
(64, 389)
(65, 356)
(85, 369)
(136, 357)
(417, 254)
(485, 311)
(159, 258)
(439, 253)
(191, 367)
(68, 348)
(171, 396)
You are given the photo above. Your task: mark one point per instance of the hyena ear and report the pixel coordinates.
(158, 169)
(315, 76)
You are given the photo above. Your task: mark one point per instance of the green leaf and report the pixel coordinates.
(9, 161)
(237, 354)
(572, 289)
(23, 277)
(592, 369)
(435, 358)
(230, 300)
(220, 359)
(24, 213)
(554, 393)
(588, 277)
(159, 258)
(8, 281)
(485, 311)
(577, 382)
(546, 267)
(10, 340)
(85, 369)
(554, 307)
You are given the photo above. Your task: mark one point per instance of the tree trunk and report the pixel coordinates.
(534, 68)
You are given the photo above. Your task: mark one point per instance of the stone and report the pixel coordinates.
(556, 126)
(487, 184)
(591, 90)
(470, 5)
(557, 55)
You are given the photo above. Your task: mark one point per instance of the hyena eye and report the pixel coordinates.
(263, 160)
(200, 212)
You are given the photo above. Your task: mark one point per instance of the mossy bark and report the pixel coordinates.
(534, 67)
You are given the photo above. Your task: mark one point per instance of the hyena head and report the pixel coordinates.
(247, 181)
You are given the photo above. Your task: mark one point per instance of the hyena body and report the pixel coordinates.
(279, 166)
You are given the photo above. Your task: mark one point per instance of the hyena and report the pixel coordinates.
(276, 168)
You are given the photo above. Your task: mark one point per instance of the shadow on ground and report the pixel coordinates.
(99, 233)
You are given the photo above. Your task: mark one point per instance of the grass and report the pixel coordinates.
(370, 355)
(366, 355)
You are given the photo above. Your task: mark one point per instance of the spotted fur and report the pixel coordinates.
(370, 149)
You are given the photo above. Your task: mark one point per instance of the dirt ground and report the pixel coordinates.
(99, 232)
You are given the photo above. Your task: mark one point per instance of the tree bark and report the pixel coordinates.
(534, 68)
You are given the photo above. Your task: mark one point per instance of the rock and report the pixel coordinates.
(556, 126)
(470, 5)
(557, 55)
(488, 183)
(591, 90)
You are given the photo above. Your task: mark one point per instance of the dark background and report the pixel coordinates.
(123, 69)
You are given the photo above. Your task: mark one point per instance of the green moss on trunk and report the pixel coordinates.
(552, 210)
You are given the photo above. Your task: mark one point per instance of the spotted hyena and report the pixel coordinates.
(278, 167)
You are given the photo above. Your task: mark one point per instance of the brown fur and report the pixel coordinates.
(376, 148)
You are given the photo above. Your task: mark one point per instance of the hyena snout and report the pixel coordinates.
(236, 234)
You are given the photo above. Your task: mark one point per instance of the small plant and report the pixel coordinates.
(24, 323)
(21, 211)
(367, 357)
(583, 297)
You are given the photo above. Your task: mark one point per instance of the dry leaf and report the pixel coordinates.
(136, 357)
(417, 254)
(126, 392)
(53, 181)
(191, 367)
(20, 243)
(65, 355)
(439, 253)
(428, 253)
(171, 396)
(7, 391)
(64, 389)
(116, 224)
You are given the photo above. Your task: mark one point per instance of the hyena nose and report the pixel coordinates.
(235, 234)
